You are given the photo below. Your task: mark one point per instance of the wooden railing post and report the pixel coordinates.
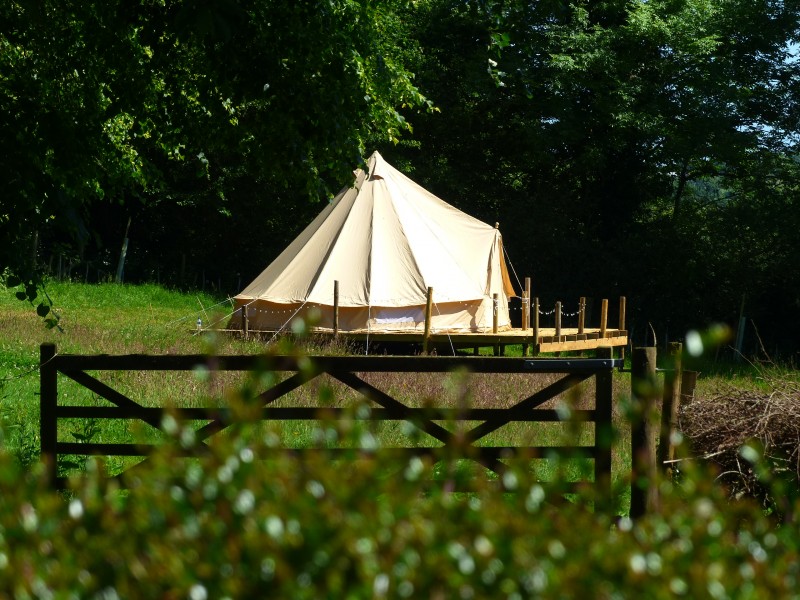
(581, 314)
(495, 320)
(558, 320)
(622, 305)
(603, 318)
(245, 323)
(644, 395)
(495, 311)
(526, 305)
(535, 310)
(427, 334)
(336, 308)
(48, 402)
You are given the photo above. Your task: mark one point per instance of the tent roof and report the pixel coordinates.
(386, 240)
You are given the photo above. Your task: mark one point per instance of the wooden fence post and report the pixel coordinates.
(48, 402)
(581, 314)
(671, 403)
(245, 323)
(427, 334)
(336, 308)
(604, 432)
(644, 394)
(688, 383)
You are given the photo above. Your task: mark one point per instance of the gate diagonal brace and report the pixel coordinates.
(529, 403)
(265, 398)
(437, 431)
(131, 407)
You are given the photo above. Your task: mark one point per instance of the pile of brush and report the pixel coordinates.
(752, 435)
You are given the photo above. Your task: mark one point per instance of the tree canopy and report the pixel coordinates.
(645, 148)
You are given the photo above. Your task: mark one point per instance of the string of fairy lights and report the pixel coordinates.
(256, 312)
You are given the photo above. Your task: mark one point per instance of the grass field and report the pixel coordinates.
(148, 319)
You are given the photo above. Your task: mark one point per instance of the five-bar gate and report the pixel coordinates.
(347, 370)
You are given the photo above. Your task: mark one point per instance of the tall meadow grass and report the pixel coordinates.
(149, 319)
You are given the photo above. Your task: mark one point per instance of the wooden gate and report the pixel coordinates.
(345, 369)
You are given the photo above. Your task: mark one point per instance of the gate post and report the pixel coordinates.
(644, 428)
(671, 405)
(48, 401)
(603, 433)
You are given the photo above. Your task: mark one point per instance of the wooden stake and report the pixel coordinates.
(581, 314)
(603, 318)
(558, 320)
(245, 324)
(336, 308)
(427, 334)
(535, 322)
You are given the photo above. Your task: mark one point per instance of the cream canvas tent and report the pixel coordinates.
(386, 240)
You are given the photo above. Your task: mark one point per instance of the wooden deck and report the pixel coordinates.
(568, 341)
(534, 338)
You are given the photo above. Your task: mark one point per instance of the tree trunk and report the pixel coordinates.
(123, 252)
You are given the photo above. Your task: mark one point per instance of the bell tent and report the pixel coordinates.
(385, 240)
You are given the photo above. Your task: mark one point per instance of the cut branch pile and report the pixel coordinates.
(718, 426)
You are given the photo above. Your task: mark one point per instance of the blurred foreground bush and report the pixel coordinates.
(233, 525)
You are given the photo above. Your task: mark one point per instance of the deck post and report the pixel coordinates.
(335, 308)
(604, 432)
(644, 428)
(581, 314)
(622, 306)
(495, 311)
(558, 320)
(525, 311)
(426, 336)
(535, 322)
(603, 318)
(495, 319)
(48, 404)
(671, 404)
(526, 305)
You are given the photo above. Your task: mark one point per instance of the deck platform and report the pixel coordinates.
(569, 339)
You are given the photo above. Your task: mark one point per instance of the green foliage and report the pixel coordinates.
(233, 525)
(157, 102)
(589, 130)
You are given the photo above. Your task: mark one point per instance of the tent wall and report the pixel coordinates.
(453, 317)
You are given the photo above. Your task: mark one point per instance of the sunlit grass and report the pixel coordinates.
(148, 319)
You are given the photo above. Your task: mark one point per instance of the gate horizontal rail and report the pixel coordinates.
(347, 370)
